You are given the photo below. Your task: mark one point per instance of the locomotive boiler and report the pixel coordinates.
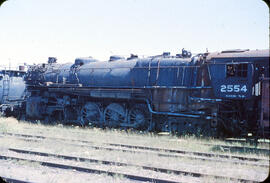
(210, 93)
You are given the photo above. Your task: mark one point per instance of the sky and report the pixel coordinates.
(33, 30)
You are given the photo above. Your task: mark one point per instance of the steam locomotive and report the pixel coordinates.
(214, 94)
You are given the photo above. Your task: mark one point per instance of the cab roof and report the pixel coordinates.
(238, 53)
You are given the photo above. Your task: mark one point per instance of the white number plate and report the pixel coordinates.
(233, 88)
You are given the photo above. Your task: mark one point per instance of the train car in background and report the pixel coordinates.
(12, 91)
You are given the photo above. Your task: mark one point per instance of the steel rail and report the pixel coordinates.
(10, 180)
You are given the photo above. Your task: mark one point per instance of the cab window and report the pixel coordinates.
(236, 70)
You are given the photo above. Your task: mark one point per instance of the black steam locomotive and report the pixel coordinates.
(211, 93)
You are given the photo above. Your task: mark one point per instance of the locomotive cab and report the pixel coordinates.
(231, 80)
(235, 74)
(236, 79)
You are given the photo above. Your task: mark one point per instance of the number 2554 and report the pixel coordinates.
(233, 88)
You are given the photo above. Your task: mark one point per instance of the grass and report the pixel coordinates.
(189, 143)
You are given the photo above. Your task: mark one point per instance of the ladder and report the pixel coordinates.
(6, 86)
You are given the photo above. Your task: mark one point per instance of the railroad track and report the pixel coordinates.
(97, 171)
(157, 151)
(88, 170)
(227, 140)
(145, 148)
(233, 148)
(185, 152)
(230, 148)
(245, 141)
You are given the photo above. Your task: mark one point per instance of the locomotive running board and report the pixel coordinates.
(103, 93)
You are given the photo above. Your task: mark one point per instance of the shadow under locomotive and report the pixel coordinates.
(214, 94)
